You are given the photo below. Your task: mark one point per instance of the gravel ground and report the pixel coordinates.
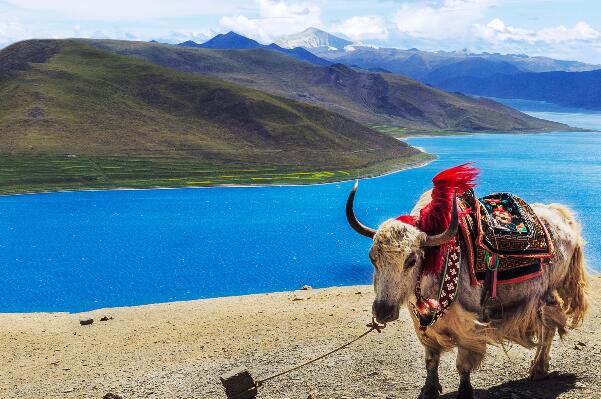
(178, 350)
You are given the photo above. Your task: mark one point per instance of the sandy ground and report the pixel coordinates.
(178, 350)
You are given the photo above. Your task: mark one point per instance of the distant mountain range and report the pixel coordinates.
(418, 64)
(366, 97)
(568, 83)
(232, 40)
(573, 89)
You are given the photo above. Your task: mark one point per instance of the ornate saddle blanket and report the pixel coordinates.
(503, 233)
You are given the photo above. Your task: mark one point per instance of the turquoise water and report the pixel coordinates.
(86, 250)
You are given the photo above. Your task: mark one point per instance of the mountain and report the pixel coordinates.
(231, 40)
(300, 54)
(313, 38)
(418, 64)
(366, 97)
(74, 115)
(471, 67)
(573, 89)
(188, 43)
(234, 41)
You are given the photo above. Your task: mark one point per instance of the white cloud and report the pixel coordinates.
(497, 31)
(162, 37)
(114, 10)
(179, 36)
(11, 31)
(276, 18)
(363, 28)
(580, 41)
(440, 19)
(245, 26)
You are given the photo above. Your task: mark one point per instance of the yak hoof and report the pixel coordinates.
(538, 373)
(430, 391)
(465, 391)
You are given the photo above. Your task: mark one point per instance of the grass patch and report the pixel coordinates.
(23, 173)
(402, 132)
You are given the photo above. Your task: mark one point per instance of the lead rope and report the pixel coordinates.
(372, 326)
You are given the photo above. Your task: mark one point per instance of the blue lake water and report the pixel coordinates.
(86, 250)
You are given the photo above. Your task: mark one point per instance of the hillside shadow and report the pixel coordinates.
(549, 388)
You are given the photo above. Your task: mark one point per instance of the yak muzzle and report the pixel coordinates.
(384, 311)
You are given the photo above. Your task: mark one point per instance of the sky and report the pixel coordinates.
(560, 29)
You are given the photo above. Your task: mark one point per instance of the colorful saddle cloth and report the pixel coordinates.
(503, 232)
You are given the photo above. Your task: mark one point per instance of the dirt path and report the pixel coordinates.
(178, 350)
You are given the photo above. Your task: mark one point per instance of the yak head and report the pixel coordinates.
(397, 253)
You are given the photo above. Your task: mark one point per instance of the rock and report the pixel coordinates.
(112, 396)
(106, 318)
(239, 384)
(306, 287)
(86, 321)
(580, 385)
(579, 343)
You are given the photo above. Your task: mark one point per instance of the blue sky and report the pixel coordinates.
(559, 29)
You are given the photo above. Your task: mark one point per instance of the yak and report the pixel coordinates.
(534, 310)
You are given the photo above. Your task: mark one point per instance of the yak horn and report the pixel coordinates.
(449, 234)
(352, 220)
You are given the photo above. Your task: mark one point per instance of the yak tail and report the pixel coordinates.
(574, 291)
(576, 287)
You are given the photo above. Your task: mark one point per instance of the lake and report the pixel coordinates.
(76, 251)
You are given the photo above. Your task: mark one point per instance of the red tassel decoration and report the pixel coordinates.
(434, 218)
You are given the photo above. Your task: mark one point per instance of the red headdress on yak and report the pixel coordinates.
(434, 218)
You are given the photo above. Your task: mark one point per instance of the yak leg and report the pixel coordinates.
(467, 361)
(432, 388)
(553, 319)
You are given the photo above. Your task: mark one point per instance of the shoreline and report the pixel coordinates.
(179, 349)
(427, 159)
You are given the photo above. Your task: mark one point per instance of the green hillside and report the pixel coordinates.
(74, 116)
(369, 98)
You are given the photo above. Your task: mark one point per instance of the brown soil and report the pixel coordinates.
(178, 350)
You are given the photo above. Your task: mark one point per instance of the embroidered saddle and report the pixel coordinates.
(503, 239)
(502, 233)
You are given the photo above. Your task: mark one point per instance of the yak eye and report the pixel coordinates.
(410, 262)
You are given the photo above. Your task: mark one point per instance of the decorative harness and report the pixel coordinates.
(447, 291)
(505, 243)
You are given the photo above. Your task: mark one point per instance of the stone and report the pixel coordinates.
(239, 384)
(306, 287)
(106, 318)
(86, 321)
(112, 396)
